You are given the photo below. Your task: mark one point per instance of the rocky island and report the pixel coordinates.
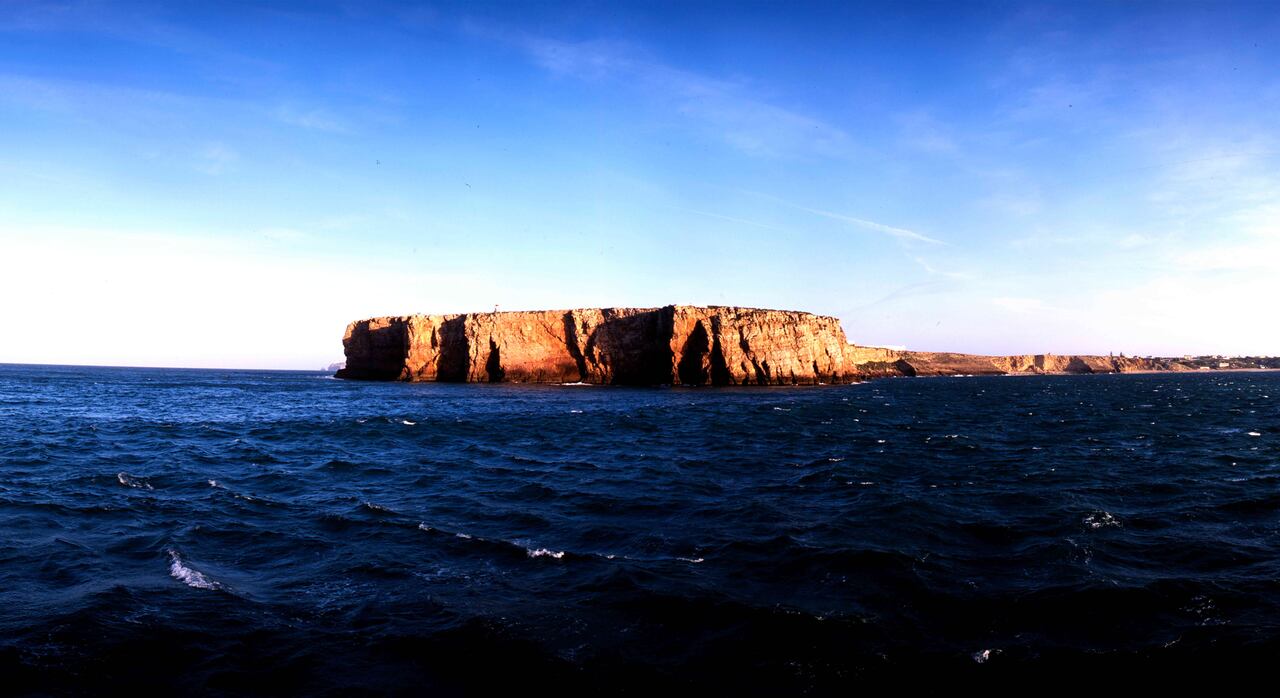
(671, 345)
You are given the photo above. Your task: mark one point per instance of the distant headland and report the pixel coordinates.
(678, 345)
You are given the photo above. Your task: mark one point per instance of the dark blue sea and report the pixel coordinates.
(285, 532)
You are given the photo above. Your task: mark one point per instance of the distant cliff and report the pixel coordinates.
(919, 363)
(673, 345)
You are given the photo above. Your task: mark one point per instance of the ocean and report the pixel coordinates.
(257, 532)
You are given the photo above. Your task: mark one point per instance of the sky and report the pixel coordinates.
(230, 184)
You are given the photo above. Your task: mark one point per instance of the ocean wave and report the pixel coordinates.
(187, 575)
(505, 547)
(135, 482)
(219, 486)
(1100, 519)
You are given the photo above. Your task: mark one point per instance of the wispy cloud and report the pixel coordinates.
(215, 159)
(1012, 203)
(922, 132)
(892, 231)
(134, 23)
(901, 233)
(732, 219)
(733, 111)
(934, 270)
(316, 119)
(907, 291)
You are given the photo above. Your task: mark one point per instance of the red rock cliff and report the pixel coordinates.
(675, 344)
(626, 346)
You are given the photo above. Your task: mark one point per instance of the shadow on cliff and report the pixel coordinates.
(702, 359)
(493, 365)
(453, 361)
(375, 353)
(626, 349)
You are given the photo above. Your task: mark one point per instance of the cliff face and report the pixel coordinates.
(626, 346)
(675, 344)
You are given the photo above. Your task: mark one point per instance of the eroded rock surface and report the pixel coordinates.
(675, 344)
(626, 346)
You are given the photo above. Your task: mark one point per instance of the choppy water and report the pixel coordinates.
(248, 531)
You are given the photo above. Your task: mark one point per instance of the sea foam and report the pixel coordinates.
(191, 577)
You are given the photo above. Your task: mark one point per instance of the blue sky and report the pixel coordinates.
(228, 184)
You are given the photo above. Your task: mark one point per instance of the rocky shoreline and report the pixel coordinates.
(671, 345)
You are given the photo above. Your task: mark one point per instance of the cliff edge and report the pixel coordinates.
(673, 345)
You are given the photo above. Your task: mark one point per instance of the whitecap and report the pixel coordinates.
(1254, 433)
(575, 411)
(129, 481)
(984, 656)
(407, 422)
(1100, 519)
(191, 577)
(433, 529)
(215, 483)
(543, 552)
(694, 560)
